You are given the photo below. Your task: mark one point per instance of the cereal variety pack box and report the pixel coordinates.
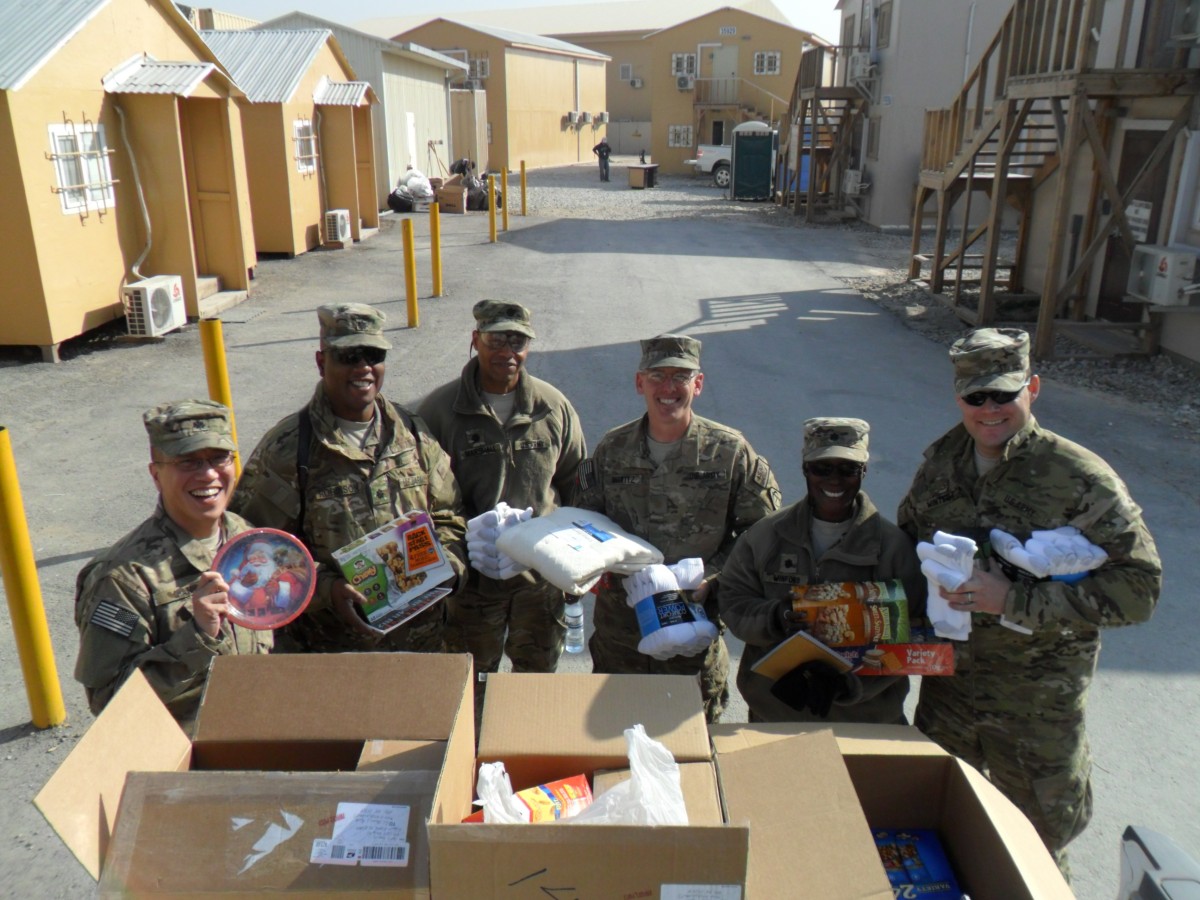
(916, 864)
(400, 568)
(861, 627)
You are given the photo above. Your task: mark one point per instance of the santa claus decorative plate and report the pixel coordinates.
(271, 577)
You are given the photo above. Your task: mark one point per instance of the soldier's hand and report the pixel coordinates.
(791, 620)
(984, 592)
(210, 603)
(344, 598)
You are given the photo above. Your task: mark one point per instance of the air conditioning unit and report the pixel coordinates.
(1185, 25)
(859, 67)
(585, 118)
(154, 306)
(685, 82)
(572, 117)
(337, 226)
(1159, 274)
(852, 182)
(635, 82)
(602, 118)
(473, 84)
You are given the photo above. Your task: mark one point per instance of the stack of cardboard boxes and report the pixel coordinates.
(349, 776)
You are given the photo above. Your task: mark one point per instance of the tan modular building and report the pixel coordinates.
(546, 100)
(121, 144)
(413, 120)
(310, 147)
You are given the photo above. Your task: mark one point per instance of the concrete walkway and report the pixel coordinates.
(783, 340)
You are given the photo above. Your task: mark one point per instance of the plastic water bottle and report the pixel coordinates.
(574, 617)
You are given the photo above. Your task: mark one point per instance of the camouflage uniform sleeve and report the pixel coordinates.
(745, 608)
(753, 495)
(1123, 591)
(574, 452)
(445, 501)
(115, 637)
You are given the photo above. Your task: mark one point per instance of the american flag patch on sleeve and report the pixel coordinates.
(114, 618)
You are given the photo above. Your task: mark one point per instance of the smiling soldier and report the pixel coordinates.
(1014, 707)
(687, 485)
(835, 534)
(152, 601)
(348, 462)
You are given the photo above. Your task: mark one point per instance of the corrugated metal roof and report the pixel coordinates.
(149, 76)
(267, 65)
(532, 40)
(31, 31)
(341, 93)
(388, 46)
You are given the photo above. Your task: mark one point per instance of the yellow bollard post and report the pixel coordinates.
(505, 199)
(435, 246)
(524, 208)
(212, 342)
(410, 274)
(25, 605)
(492, 208)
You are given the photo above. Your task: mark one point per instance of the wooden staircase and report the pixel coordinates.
(1034, 101)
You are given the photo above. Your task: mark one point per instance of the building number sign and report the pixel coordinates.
(728, 30)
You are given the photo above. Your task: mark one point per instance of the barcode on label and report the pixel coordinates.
(327, 852)
(384, 855)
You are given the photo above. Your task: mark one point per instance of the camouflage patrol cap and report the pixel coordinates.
(185, 426)
(670, 351)
(500, 315)
(991, 359)
(829, 438)
(352, 325)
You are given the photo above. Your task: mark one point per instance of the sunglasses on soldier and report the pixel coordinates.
(355, 356)
(827, 469)
(498, 340)
(978, 398)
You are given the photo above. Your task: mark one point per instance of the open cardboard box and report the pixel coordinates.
(544, 727)
(317, 718)
(904, 780)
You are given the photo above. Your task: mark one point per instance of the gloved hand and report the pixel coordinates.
(813, 685)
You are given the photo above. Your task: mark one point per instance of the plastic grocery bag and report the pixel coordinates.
(651, 796)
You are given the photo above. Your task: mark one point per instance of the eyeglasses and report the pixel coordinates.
(680, 378)
(498, 340)
(356, 356)
(823, 469)
(193, 464)
(978, 398)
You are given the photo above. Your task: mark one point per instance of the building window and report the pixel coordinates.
(305, 140)
(766, 62)
(683, 64)
(848, 33)
(876, 123)
(480, 67)
(883, 25)
(626, 71)
(679, 135)
(83, 176)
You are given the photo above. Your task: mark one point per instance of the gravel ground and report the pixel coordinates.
(1171, 388)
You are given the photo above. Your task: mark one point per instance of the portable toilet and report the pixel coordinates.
(751, 161)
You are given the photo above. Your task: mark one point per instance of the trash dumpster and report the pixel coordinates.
(643, 175)
(751, 161)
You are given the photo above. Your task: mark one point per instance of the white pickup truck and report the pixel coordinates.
(713, 159)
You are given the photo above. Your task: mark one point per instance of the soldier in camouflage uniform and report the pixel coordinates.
(687, 485)
(835, 534)
(1015, 707)
(369, 462)
(513, 438)
(152, 601)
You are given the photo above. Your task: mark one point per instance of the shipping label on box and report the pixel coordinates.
(399, 568)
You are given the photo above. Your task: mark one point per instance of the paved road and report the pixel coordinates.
(783, 340)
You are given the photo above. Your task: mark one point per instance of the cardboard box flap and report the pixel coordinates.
(810, 837)
(393, 756)
(852, 737)
(332, 697)
(248, 834)
(586, 715)
(561, 860)
(135, 732)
